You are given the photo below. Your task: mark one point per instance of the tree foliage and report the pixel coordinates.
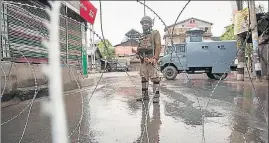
(108, 53)
(228, 34)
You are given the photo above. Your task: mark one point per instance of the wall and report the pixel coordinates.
(197, 23)
(122, 50)
(21, 75)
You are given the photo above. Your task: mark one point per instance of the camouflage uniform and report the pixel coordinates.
(149, 48)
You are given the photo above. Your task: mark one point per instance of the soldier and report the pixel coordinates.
(148, 51)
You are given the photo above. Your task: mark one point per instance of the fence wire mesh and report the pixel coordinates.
(22, 36)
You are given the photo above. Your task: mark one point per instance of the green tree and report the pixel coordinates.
(108, 53)
(228, 34)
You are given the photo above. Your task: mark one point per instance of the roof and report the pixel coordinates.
(194, 29)
(128, 42)
(187, 20)
(93, 50)
(132, 31)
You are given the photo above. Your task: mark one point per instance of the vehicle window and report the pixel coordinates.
(180, 49)
(168, 50)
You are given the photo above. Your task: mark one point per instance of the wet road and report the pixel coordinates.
(112, 115)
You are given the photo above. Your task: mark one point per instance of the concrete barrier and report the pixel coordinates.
(21, 76)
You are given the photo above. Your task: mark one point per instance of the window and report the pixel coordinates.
(180, 48)
(206, 29)
(205, 47)
(169, 50)
(192, 21)
(182, 25)
(195, 38)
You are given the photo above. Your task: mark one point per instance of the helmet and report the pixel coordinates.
(146, 18)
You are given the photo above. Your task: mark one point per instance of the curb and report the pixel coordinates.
(22, 94)
(247, 81)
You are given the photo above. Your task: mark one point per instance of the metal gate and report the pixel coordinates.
(23, 31)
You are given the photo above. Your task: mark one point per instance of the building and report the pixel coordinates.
(94, 59)
(25, 24)
(127, 49)
(132, 34)
(21, 43)
(179, 34)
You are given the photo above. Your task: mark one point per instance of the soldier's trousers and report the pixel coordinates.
(150, 72)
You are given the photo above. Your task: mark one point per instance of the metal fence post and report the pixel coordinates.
(83, 51)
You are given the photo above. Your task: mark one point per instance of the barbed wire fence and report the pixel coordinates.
(18, 51)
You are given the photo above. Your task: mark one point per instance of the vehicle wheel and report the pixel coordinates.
(210, 75)
(217, 76)
(170, 72)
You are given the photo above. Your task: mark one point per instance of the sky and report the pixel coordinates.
(118, 17)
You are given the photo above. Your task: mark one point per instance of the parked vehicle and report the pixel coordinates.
(213, 58)
(122, 65)
(112, 65)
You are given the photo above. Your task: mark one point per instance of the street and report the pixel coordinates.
(112, 115)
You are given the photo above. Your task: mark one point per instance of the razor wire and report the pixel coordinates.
(203, 115)
(104, 42)
(200, 108)
(247, 37)
(169, 63)
(101, 76)
(78, 125)
(36, 94)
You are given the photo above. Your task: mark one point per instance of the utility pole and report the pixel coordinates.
(241, 57)
(255, 42)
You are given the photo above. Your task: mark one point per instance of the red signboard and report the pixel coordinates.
(87, 11)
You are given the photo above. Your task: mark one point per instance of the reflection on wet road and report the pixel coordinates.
(233, 116)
